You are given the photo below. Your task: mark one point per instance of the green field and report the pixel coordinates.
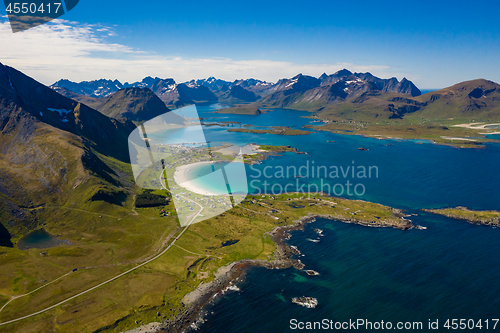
(104, 245)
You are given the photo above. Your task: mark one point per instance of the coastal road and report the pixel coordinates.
(31, 292)
(107, 281)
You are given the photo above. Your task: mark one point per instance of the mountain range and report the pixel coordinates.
(310, 93)
(343, 95)
(284, 93)
(171, 93)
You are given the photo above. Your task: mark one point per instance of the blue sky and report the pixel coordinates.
(435, 44)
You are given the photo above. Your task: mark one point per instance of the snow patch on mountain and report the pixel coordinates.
(61, 112)
(10, 81)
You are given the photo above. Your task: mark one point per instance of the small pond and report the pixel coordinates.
(39, 239)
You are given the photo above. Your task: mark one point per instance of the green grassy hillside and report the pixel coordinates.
(53, 152)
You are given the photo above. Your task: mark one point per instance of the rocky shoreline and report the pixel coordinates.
(195, 301)
(473, 217)
(227, 274)
(399, 223)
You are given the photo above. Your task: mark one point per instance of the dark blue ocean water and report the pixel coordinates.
(451, 270)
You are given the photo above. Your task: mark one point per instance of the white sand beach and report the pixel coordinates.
(180, 177)
(476, 125)
(454, 138)
(481, 126)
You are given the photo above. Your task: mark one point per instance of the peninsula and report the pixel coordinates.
(485, 217)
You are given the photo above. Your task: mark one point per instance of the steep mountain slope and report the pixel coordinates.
(296, 84)
(49, 151)
(470, 99)
(237, 94)
(162, 85)
(147, 82)
(256, 86)
(390, 85)
(177, 95)
(384, 85)
(239, 91)
(136, 104)
(333, 78)
(93, 102)
(215, 85)
(221, 87)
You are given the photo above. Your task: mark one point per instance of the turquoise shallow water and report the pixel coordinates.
(451, 270)
(200, 175)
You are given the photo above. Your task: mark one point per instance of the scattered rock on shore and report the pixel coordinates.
(295, 250)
